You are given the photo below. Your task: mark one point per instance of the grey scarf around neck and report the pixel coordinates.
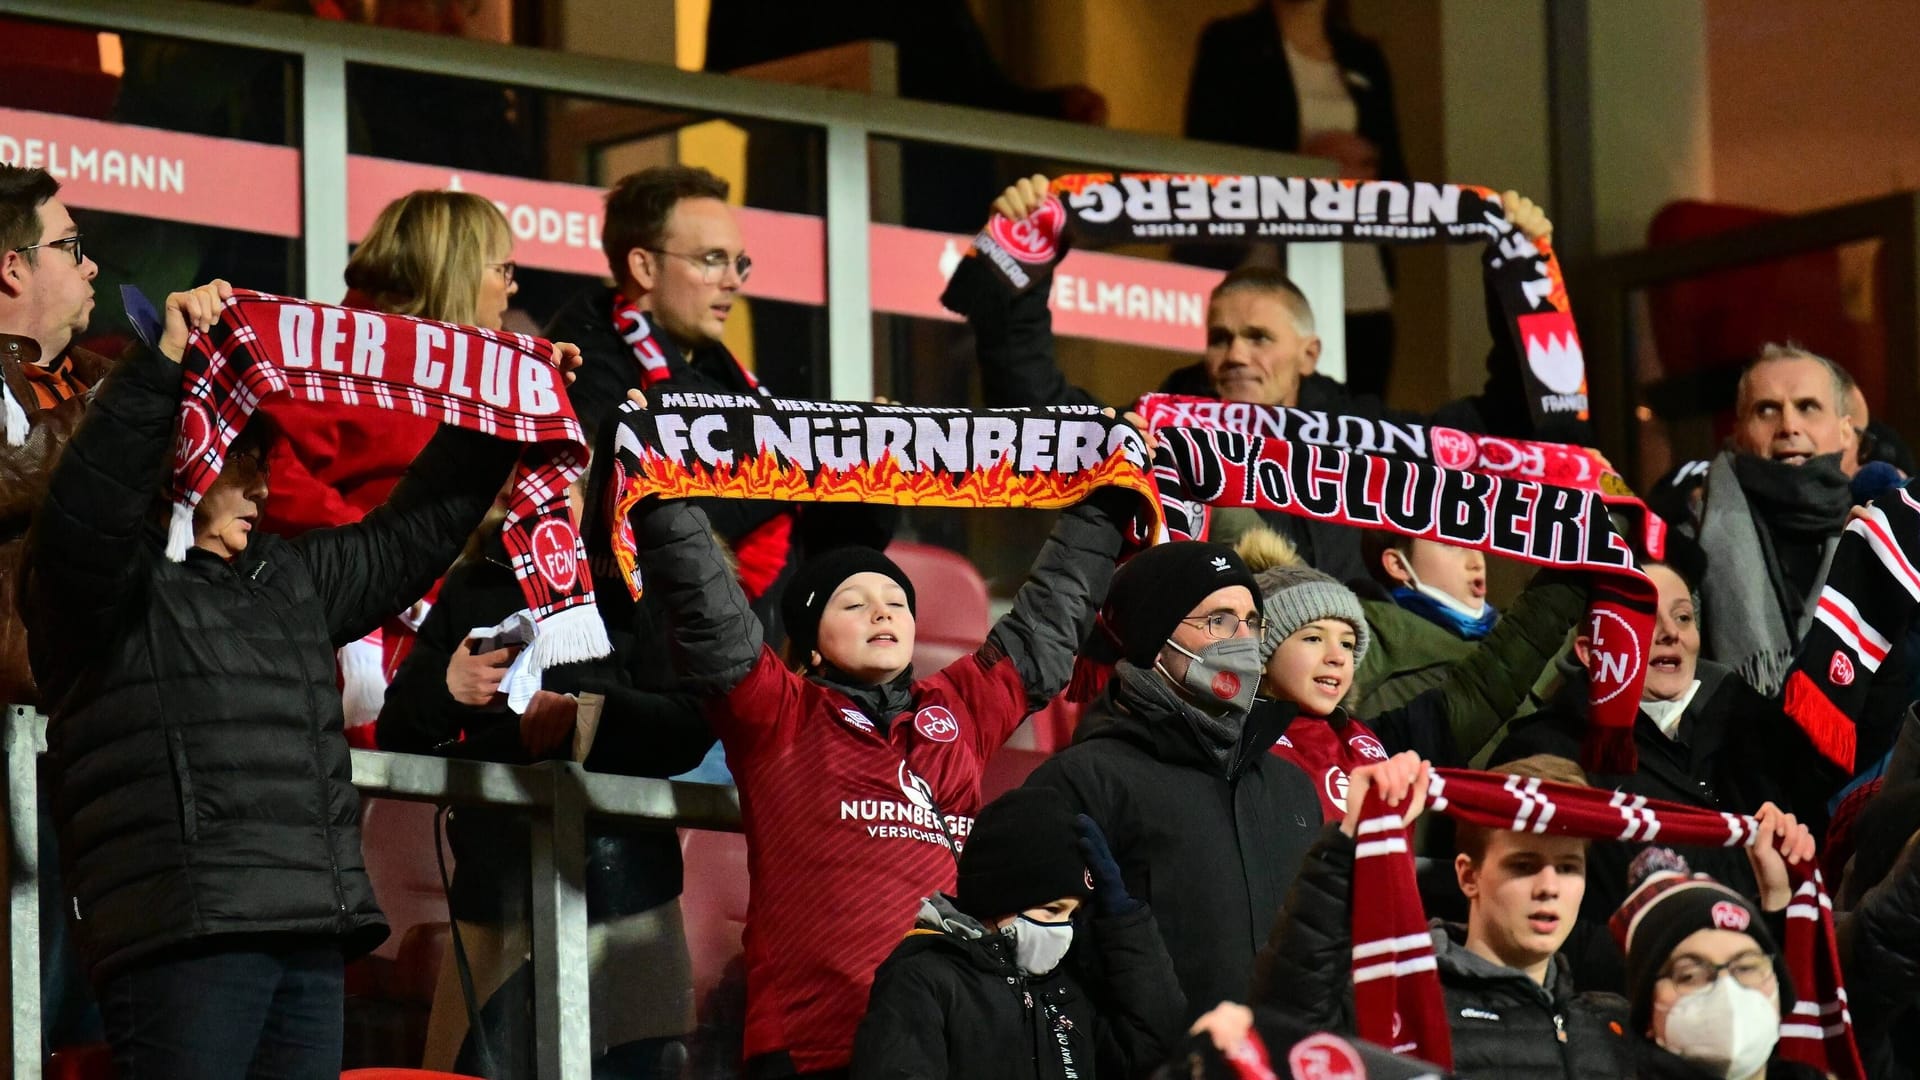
(1143, 692)
(1745, 628)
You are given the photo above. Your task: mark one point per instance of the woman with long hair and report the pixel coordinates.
(445, 255)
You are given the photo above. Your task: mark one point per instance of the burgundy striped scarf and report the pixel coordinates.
(1397, 996)
(501, 384)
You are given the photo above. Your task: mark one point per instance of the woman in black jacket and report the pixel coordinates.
(1292, 76)
(206, 811)
(447, 699)
(1008, 979)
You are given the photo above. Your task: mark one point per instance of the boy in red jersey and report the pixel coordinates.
(858, 782)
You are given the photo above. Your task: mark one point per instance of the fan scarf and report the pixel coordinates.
(1103, 209)
(1560, 464)
(1394, 972)
(636, 330)
(740, 447)
(500, 384)
(1532, 522)
(1865, 607)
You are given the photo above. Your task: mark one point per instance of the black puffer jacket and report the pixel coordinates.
(950, 1003)
(1211, 845)
(1503, 1023)
(204, 783)
(1880, 940)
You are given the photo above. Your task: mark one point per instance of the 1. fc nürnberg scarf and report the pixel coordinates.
(1102, 208)
(752, 447)
(1862, 614)
(1396, 986)
(1543, 524)
(500, 384)
(1560, 464)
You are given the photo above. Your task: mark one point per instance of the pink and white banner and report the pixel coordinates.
(254, 187)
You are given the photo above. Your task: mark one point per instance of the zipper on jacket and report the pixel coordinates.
(1560, 1033)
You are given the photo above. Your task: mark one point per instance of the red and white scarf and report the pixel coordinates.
(501, 384)
(1397, 995)
(1542, 524)
(636, 330)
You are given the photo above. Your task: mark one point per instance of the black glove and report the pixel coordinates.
(1109, 888)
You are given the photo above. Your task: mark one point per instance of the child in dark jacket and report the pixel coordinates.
(858, 781)
(1002, 981)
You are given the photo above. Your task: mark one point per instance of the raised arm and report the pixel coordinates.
(88, 543)
(1054, 609)
(1012, 333)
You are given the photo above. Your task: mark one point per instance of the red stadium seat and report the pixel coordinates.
(92, 1061)
(713, 900)
(952, 619)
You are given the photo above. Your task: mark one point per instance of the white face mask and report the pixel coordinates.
(1666, 714)
(1038, 947)
(1727, 1028)
(1445, 599)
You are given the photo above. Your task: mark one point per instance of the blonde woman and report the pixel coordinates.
(444, 255)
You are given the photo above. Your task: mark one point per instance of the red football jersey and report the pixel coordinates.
(1327, 749)
(846, 831)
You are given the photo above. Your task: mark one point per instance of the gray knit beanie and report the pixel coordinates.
(1293, 596)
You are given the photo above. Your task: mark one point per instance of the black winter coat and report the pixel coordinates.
(1503, 1023)
(950, 1004)
(1880, 940)
(1737, 751)
(1212, 847)
(645, 729)
(204, 783)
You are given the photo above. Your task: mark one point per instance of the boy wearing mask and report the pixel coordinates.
(1009, 978)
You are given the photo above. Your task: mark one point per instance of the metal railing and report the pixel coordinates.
(850, 120)
(1603, 291)
(558, 798)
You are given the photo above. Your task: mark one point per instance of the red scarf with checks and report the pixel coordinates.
(501, 384)
(1397, 998)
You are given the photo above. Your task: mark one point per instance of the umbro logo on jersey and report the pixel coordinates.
(857, 719)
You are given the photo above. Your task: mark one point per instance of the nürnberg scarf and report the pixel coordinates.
(1397, 995)
(1560, 464)
(1862, 613)
(655, 367)
(1102, 209)
(500, 384)
(1543, 524)
(742, 447)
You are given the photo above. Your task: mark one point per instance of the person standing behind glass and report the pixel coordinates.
(1292, 76)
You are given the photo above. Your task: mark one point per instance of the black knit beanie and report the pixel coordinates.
(819, 578)
(1159, 587)
(1024, 851)
(1665, 910)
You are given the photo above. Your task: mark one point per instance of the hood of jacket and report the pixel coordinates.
(1460, 966)
(942, 926)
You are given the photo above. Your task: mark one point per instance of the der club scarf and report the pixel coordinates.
(1543, 524)
(500, 384)
(1862, 612)
(1396, 986)
(751, 447)
(1560, 464)
(1102, 209)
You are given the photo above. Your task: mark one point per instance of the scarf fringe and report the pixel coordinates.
(1609, 751)
(179, 532)
(570, 635)
(16, 418)
(1089, 679)
(1830, 730)
(363, 679)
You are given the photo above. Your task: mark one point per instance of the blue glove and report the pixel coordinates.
(1109, 888)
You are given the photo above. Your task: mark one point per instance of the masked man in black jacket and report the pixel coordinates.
(1172, 761)
(207, 819)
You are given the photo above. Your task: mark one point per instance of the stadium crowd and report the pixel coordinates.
(1182, 888)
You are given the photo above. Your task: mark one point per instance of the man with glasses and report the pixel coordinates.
(46, 297)
(678, 264)
(1173, 762)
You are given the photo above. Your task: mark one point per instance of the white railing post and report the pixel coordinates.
(323, 171)
(849, 288)
(26, 737)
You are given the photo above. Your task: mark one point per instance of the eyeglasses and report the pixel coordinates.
(253, 463)
(507, 269)
(1222, 625)
(1751, 970)
(713, 265)
(70, 243)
